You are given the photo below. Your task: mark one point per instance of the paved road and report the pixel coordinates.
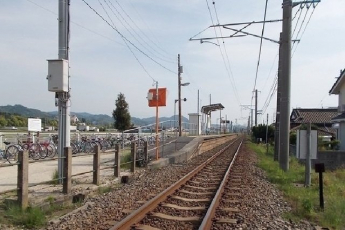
(44, 170)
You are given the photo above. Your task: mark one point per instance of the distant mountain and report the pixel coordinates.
(98, 119)
(23, 111)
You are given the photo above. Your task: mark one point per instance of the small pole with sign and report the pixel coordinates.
(320, 168)
(157, 97)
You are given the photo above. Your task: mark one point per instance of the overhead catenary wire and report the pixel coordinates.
(227, 58)
(260, 50)
(305, 28)
(77, 24)
(128, 45)
(157, 49)
(221, 52)
(134, 34)
(275, 82)
(130, 42)
(154, 36)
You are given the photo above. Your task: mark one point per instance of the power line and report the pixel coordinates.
(262, 34)
(274, 86)
(275, 58)
(221, 52)
(157, 41)
(136, 47)
(305, 28)
(227, 57)
(146, 46)
(148, 38)
(75, 23)
(128, 45)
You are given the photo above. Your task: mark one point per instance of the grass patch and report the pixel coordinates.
(305, 201)
(104, 189)
(30, 218)
(126, 158)
(55, 177)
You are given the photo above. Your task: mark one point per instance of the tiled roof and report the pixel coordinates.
(321, 131)
(314, 116)
(340, 117)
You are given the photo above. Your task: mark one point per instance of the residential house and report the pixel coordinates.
(74, 119)
(321, 118)
(339, 89)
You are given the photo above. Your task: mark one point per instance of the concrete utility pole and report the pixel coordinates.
(198, 126)
(267, 135)
(179, 96)
(277, 130)
(256, 107)
(286, 82)
(63, 97)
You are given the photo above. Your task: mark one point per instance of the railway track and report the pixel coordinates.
(191, 202)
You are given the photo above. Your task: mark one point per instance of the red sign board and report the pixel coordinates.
(161, 97)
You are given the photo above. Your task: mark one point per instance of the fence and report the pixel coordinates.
(135, 160)
(167, 129)
(23, 170)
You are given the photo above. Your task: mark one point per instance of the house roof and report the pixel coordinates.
(338, 83)
(321, 131)
(314, 116)
(340, 117)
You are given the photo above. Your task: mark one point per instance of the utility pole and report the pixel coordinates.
(286, 82)
(63, 97)
(267, 135)
(226, 124)
(198, 132)
(210, 115)
(179, 96)
(220, 121)
(256, 107)
(277, 130)
(157, 123)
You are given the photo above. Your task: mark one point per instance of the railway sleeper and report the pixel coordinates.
(191, 200)
(176, 218)
(183, 208)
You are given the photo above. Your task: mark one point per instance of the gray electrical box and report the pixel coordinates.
(57, 75)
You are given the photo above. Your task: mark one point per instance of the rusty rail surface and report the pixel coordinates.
(208, 219)
(135, 217)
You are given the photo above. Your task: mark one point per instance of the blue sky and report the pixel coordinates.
(101, 65)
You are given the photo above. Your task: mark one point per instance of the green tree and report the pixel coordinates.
(260, 132)
(121, 114)
(3, 121)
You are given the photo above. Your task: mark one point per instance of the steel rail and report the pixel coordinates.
(139, 214)
(208, 219)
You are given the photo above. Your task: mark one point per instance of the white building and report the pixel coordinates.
(339, 89)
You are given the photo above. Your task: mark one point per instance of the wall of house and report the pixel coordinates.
(331, 159)
(342, 95)
(341, 136)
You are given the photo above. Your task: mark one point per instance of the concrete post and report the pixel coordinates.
(286, 90)
(133, 153)
(117, 161)
(23, 179)
(96, 165)
(308, 158)
(279, 86)
(146, 155)
(67, 172)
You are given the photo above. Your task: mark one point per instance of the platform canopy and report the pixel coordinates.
(207, 109)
